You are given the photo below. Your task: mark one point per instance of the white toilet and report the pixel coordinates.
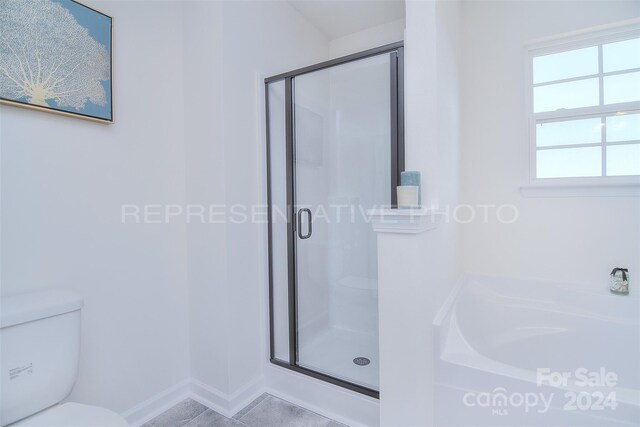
(39, 351)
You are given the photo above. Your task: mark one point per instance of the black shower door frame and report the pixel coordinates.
(396, 50)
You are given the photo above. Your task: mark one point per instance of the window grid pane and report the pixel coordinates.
(565, 65)
(622, 55)
(623, 127)
(568, 95)
(615, 136)
(573, 146)
(569, 162)
(569, 132)
(623, 160)
(623, 86)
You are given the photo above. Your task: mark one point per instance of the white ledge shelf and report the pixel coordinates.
(405, 221)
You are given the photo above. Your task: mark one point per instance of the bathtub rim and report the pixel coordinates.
(445, 315)
(587, 288)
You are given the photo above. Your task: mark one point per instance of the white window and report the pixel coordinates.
(585, 107)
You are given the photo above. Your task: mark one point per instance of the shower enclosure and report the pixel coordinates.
(335, 148)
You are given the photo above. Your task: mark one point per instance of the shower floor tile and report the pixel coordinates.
(333, 350)
(265, 411)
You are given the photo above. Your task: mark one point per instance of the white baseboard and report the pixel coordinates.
(157, 404)
(225, 404)
(318, 396)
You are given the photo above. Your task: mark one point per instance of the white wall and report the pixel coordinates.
(448, 56)
(576, 239)
(432, 92)
(63, 181)
(379, 35)
(407, 309)
(205, 185)
(226, 165)
(267, 38)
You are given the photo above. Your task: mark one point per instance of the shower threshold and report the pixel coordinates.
(333, 351)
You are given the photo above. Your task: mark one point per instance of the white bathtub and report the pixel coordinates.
(494, 334)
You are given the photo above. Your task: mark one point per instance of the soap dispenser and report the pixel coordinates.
(619, 281)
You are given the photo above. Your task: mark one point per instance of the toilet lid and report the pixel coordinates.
(74, 415)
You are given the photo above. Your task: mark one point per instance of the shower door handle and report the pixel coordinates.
(309, 218)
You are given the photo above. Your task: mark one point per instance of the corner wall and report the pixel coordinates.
(432, 147)
(367, 39)
(205, 185)
(432, 111)
(230, 47)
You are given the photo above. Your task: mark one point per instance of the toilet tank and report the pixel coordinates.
(39, 351)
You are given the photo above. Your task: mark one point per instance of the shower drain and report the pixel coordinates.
(361, 361)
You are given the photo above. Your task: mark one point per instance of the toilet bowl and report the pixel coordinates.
(40, 335)
(74, 415)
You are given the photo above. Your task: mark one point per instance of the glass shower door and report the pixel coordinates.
(342, 167)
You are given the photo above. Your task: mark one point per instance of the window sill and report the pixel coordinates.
(627, 189)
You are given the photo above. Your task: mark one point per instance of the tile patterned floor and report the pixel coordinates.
(265, 411)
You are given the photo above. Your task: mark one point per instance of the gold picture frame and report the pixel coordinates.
(79, 83)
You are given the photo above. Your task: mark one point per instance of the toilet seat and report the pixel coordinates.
(74, 415)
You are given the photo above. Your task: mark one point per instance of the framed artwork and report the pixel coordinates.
(57, 56)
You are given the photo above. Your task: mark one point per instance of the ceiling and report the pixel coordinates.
(337, 18)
